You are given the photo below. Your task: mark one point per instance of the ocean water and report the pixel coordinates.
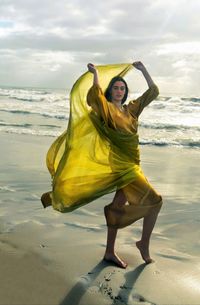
(167, 121)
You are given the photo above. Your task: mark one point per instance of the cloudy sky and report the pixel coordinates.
(48, 43)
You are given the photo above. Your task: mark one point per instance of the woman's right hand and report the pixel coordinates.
(91, 68)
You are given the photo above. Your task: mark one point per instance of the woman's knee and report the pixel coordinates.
(160, 200)
(158, 204)
(154, 198)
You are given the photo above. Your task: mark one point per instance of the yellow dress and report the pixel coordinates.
(99, 153)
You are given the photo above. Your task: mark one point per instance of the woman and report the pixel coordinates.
(99, 154)
(139, 191)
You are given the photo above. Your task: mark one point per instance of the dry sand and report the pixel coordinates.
(52, 258)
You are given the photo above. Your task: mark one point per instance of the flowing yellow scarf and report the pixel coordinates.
(90, 159)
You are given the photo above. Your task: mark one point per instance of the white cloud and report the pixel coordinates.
(189, 47)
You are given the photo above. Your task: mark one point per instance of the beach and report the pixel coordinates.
(97, 91)
(52, 258)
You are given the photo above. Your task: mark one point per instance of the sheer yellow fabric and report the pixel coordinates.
(98, 153)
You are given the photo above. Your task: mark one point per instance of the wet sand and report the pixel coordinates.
(53, 258)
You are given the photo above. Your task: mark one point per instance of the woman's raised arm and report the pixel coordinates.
(139, 65)
(136, 106)
(94, 71)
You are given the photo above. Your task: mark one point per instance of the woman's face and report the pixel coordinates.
(118, 91)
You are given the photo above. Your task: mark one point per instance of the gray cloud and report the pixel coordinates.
(41, 40)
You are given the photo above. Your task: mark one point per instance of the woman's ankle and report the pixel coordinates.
(143, 242)
(109, 251)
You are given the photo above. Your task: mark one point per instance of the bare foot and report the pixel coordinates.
(46, 199)
(144, 251)
(113, 258)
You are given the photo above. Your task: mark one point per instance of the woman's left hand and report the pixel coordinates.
(92, 68)
(138, 65)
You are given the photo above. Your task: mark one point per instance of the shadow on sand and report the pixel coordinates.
(76, 293)
(127, 288)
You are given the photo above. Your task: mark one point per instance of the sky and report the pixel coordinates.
(48, 43)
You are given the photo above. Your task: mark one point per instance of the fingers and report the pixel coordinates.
(91, 68)
(136, 63)
(90, 65)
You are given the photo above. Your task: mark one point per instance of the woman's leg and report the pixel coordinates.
(148, 225)
(110, 254)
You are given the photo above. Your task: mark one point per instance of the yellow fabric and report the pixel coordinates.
(98, 153)
(141, 197)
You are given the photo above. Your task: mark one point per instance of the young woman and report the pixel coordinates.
(99, 154)
(143, 200)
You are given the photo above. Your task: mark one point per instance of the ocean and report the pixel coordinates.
(167, 121)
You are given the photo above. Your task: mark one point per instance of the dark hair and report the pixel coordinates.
(108, 92)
